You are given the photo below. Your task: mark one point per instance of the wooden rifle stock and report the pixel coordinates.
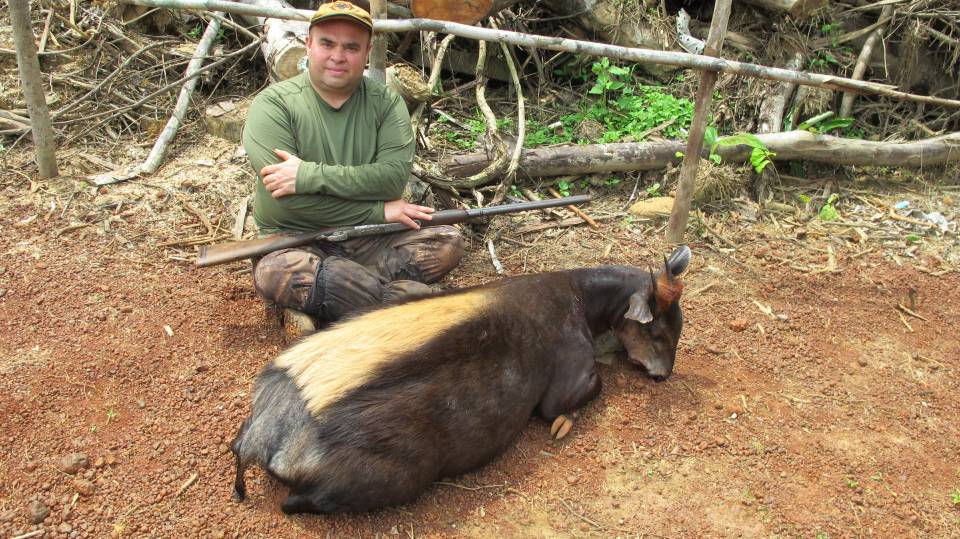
(212, 255)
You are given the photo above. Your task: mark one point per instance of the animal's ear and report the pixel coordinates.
(639, 309)
(679, 261)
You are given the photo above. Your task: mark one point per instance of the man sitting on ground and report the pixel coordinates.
(332, 148)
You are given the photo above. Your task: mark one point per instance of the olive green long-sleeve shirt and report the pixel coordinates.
(353, 158)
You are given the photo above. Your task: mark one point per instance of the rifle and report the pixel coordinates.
(211, 255)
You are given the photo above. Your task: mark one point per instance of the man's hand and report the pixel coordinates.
(281, 178)
(401, 211)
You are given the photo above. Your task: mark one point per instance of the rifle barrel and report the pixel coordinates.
(211, 255)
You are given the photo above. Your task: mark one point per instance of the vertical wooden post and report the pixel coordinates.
(29, 65)
(701, 111)
(378, 56)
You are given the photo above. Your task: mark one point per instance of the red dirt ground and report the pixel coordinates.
(827, 417)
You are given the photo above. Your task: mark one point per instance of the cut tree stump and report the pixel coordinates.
(409, 83)
(225, 119)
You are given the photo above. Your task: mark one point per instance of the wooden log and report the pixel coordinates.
(462, 11)
(283, 44)
(701, 112)
(580, 47)
(569, 160)
(795, 8)
(29, 66)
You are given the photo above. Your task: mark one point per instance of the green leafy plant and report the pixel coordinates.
(654, 190)
(759, 154)
(821, 124)
(822, 60)
(828, 212)
(831, 30)
(563, 187)
(608, 78)
(822, 535)
(955, 496)
(195, 32)
(475, 127)
(623, 111)
(111, 415)
(912, 238)
(851, 483)
(515, 191)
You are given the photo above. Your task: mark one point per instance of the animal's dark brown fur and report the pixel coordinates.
(461, 397)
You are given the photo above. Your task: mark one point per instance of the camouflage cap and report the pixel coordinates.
(342, 10)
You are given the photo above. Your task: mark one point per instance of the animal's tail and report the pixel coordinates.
(239, 486)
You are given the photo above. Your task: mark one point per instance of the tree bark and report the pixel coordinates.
(571, 160)
(378, 52)
(29, 65)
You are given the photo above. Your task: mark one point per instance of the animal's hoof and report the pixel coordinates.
(561, 426)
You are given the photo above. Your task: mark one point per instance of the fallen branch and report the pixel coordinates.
(571, 159)
(580, 213)
(680, 59)
(846, 105)
(911, 313)
(152, 162)
(497, 265)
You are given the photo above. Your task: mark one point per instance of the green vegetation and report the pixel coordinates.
(624, 111)
(822, 61)
(759, 154)
(955, 496)
(475, 127)
(619, 109)
(828, 212)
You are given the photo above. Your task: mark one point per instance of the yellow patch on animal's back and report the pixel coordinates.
(329, 364)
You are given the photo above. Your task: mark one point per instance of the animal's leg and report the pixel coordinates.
(312, 501)
(575, 382)
(298, 503)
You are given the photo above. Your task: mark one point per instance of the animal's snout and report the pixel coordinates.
(659, 377)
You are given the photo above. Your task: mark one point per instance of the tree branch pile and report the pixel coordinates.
(110, 81)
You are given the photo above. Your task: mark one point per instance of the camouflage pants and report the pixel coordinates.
(329, 280)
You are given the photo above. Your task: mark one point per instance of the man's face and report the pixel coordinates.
(337, 53)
